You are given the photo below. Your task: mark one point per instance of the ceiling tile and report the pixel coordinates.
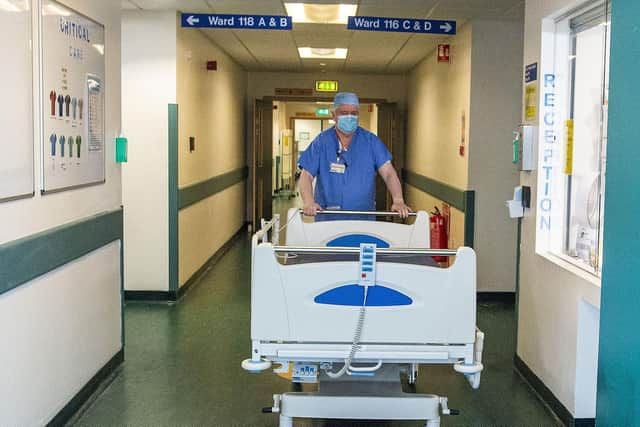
(128, 5)
(369, 51)
(227, 41)
(249, 7)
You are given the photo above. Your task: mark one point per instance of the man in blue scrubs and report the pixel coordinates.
(344, 160)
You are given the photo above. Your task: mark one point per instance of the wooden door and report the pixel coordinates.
(262, 161)
(388, 132)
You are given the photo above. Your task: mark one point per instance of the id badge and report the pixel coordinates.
(337, 168)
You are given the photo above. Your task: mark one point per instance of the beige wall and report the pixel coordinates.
(552, 293)
(483, 84)
(211, 108)
(206, 226)
(391, 87)
(148, 86)
(438, 94)
(496, 88)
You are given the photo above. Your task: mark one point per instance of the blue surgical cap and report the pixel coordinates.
(345, 98)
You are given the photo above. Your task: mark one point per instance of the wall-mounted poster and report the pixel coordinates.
(16, 112)
(73, 99)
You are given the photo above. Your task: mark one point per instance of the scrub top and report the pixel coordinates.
(345, 179)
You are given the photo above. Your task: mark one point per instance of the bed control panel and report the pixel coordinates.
(304, 373)
(367, 264)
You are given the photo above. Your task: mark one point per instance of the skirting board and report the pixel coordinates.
(85, 393)
(549, 398)
(150, 296)
(172, 296)
(503, 297)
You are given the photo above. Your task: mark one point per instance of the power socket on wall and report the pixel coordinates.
(192, 144)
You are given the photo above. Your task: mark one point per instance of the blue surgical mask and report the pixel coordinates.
(347, 124)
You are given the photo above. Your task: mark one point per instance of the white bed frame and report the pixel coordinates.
(287, 325)
(300, 233)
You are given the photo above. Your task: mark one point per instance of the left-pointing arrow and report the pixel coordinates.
(192, 20)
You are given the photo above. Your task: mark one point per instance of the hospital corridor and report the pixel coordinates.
(319, 213)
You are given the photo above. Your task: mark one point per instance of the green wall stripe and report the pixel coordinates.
(173, 197)
(437, 189)
(25, 259)
(469, 217)
(463, 200)
(194, 193)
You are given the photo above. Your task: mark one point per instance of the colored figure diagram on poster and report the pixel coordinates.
(73, 69)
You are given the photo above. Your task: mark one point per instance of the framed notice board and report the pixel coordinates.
(73, 87)
(16, 111)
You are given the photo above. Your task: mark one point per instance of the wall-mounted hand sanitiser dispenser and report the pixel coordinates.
(524, 148)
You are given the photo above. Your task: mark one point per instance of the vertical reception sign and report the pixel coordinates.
(546, 173)
(73, 70)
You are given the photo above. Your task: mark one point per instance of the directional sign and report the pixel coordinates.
(246, 22)
(326, 86)
(531, 73)
(401, 25)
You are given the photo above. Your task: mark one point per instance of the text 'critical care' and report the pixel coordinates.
(74, 30)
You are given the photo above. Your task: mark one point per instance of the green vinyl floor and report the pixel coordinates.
(182, 366)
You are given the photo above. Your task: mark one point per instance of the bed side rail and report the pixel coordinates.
(349, 250)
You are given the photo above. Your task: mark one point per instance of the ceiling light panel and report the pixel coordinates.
(322, 53)
(320, 13)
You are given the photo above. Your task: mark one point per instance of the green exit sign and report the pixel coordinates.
(323, 112)
(326, 86)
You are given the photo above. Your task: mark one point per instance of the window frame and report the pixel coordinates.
(559, 38)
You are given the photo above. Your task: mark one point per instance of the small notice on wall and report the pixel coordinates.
(444, 53)
(94, 113)
(73, 95)
(531, 101)
(568, 165)
(463, 133)
(531, 92)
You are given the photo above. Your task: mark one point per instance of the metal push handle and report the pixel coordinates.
(371, 213)
(349, 250)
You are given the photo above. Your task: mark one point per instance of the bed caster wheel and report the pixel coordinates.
(471, 372)
(285, 421)
(255, 367)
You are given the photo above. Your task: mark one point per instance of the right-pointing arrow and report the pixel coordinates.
(446, 27)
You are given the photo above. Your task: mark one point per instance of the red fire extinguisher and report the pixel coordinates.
(438, 232)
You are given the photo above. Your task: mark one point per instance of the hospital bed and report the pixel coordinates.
(351, 305)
